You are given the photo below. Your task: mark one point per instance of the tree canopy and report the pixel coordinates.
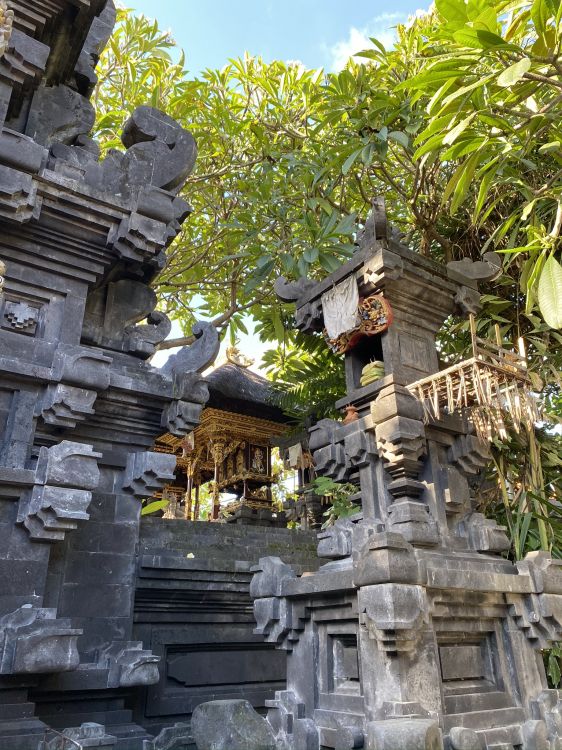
(458, 126)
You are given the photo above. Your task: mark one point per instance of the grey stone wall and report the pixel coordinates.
(193, 609)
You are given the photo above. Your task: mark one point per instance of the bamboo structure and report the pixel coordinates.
(493, 382)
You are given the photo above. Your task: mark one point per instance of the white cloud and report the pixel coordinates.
(357, 40)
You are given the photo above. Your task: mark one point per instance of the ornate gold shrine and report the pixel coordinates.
(231, 450)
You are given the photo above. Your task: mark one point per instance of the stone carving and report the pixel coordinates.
(227, 724)
(547, 708)
(113, 314)
(180, 417)
(487, 269)
(21, 317)
(199, 355)
(129, 664)
(393, 614)
(291, 291)
(147, 472)
(462, 738)
(98, 36)
(469, 453)
(33, 640)
(80, 406)
(82, 367)
(485, 535)
(60, 495)
(139, 238)
(269, 575)
(385, 557)
(177, 736)
(23, 60)
(539, 616)
(159, 152)
(468, 300)
(65, 405)
(279, 621)
(397, 734)
(88, 734)
(59, 115)
(330, 461)
(18, 196)
(336, 541)
(402, 446)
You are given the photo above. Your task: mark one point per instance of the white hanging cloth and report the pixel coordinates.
(339, 306)
(295, 456)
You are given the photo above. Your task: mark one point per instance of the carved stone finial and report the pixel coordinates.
(291, 291)
(235, 356)
(199, 355)
(376, 226)
(487, 269)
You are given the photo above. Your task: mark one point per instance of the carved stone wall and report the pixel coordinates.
(81, 239)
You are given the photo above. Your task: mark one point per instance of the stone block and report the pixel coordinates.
(230, 725)
(403, 734)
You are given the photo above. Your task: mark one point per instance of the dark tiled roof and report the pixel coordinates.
(237, 389)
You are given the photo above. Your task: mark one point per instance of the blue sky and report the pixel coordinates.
(320, 33)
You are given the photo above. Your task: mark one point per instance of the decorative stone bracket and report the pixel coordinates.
(278, 619)
(539, 616)
(147, 472)
(33, 640)
(64, 477)
(401, 442)
(399, 734)
(393, 615)
(385, 557)
(129, 664)
(83, 373)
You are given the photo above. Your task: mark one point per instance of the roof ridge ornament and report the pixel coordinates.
(235, 357)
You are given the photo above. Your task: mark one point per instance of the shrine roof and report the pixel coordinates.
(238, 389)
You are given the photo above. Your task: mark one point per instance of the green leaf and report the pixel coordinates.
(453, 11)
(514, 73)
(399, 137)
(465, 181)
(348, 163)
(540, 13)
(554, 667)
(277, 323)
(466, 89)
(310, 254)
(481, 39)
(550, 293)
(552, 146)
(153, 507)
(453, 134)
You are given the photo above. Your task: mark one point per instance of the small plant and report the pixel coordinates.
(338, 495)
